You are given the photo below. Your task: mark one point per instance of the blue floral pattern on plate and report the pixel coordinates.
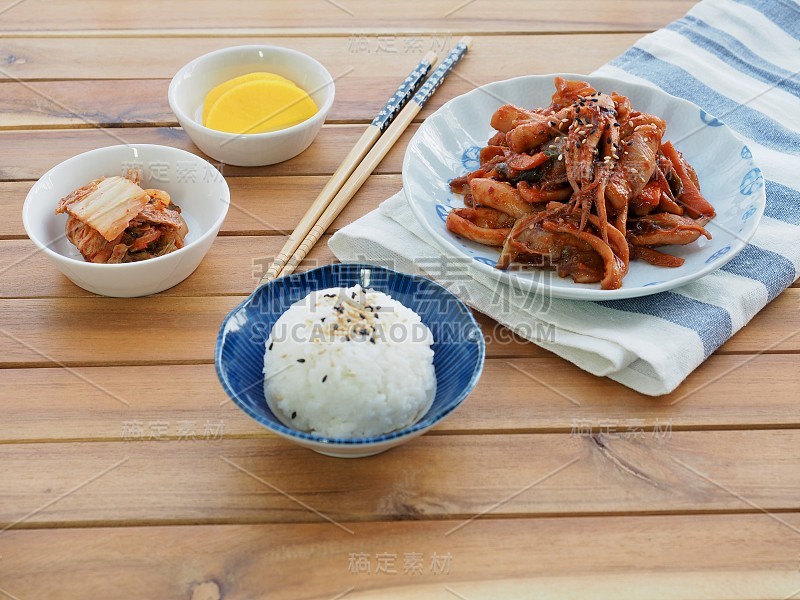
(718, 254)
(471, 158)
(752, 181)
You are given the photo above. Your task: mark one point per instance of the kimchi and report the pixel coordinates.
(114, 220)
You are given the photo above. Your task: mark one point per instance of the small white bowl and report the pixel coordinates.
(189, 87)
(194, 185)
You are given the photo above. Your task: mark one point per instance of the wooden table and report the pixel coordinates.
(126, 474)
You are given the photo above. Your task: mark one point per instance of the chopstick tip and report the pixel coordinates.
(466, 40)
(431, 57)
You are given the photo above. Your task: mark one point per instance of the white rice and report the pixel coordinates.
(348, 362)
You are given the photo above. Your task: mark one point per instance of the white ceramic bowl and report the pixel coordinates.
(189, 87)
(194, 185)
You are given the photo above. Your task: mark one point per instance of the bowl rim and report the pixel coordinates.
(210, 232)
(183, 118)
(427, 421)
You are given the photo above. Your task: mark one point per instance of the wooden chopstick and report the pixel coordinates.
(376, 154)
(367, 140)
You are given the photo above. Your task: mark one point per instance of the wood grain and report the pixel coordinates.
(259, 205)
(124, 82)
(47, 148)
(261, 480)
(67, 331)
(128, 473)
(41, 330)
(345, 16)
(532, 395)
(719, 556)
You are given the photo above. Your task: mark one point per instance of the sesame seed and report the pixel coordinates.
(294, 414)
(301, 360)
(324, 379)
(270, 345)
(615, 156)
(564, 120)
(560, 156)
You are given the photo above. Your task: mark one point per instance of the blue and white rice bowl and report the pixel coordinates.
(361, 388)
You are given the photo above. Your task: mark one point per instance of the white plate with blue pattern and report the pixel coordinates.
(447, 144)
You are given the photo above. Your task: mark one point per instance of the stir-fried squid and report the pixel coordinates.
(582, 186)
(113, 220)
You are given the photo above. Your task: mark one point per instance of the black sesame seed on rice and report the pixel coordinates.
(301, 360)
(324, 379)
(294, 415)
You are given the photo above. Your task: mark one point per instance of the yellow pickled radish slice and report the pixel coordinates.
(260, 106)
(215, 93)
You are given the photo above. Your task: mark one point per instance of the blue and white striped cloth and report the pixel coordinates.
(738, 60)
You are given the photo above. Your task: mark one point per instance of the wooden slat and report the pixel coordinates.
(48, 325)
(370, 77)
(260, 205)
(160, 58)
(346, 16)
(70, 331)
(710, 556)
(445, 476)
(514, 395)
(47, 148)
(234, 265)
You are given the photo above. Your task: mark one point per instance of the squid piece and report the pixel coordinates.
(483, 225)
(509, 116)
(592, 127)
(534, 194)
(500, 196)
(569, 91)
(571, 257)
(656, 258)
(531, 134)
(635, 167)
(665, 229)
(648, 200)
(614, 268)
(691, 196)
